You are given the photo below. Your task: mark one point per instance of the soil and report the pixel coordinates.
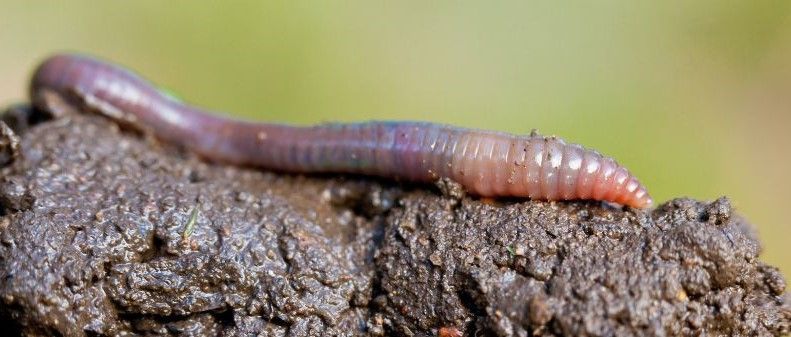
(109, 232)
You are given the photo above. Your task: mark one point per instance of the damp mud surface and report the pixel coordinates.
(109, 232)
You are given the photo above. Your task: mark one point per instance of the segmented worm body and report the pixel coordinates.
(486, 163)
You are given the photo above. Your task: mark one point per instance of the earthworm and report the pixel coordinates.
(485, 163)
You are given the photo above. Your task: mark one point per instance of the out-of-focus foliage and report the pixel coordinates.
(694, 97)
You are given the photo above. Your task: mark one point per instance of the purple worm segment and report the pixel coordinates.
(486, 163)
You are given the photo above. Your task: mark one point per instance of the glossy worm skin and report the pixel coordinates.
(486, 163)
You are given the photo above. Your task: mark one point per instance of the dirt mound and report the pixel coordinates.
(105, 232)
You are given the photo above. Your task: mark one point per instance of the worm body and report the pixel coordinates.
(486, 163)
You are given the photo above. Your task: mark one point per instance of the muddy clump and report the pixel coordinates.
(104, 232)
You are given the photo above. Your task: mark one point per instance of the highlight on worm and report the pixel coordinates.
(486, 163)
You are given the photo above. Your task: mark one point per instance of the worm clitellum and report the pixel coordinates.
(486, 163)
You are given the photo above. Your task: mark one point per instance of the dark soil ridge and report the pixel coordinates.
(96, 238)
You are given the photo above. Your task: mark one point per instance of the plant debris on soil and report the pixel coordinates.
(108, 232)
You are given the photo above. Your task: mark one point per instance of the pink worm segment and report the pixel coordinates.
(486, 163)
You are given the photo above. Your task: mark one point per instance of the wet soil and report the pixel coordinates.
(108, 232)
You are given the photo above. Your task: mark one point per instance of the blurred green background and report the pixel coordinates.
(693, 97)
